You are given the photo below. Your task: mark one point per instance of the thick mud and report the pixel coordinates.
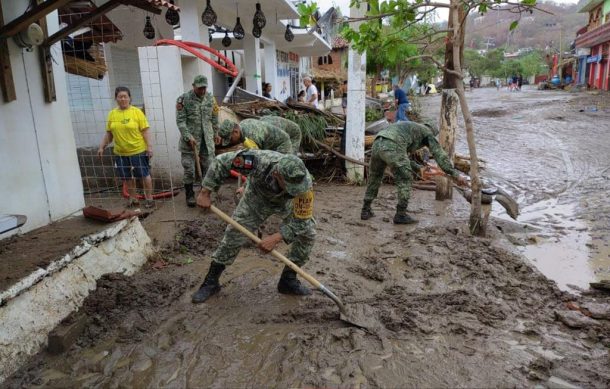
(551, 151)
(450, 310)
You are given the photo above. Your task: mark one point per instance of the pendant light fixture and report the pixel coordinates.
(259, 17)
(149, 30)
(257, 32)
(208, 17)
(288, 35)
(226, 41)
(238, 30)
(172, 17)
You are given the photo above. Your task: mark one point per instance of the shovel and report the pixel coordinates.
(197, 163)
(359, 316)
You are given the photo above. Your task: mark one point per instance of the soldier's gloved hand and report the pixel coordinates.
(204, 200)
(269, 243)
(193, 143)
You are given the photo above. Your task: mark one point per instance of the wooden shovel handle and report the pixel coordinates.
(197, 162)
(256, 240)
(281, 257)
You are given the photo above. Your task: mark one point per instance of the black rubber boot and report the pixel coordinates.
(366, 212)
(190, 195)
(290, 284)
(210, 285)
(403, 218)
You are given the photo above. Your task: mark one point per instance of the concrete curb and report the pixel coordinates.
(35, 305)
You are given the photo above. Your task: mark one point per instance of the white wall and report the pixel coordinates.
(160, 94)
(39, 174)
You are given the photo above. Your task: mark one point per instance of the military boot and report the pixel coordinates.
(403, 218)
(210, 285)
(366, 212)
(190, 195)
(290, 284)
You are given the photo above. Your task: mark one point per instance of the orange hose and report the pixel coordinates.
(229, 67)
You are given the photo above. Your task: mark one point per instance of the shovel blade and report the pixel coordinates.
(360, 315)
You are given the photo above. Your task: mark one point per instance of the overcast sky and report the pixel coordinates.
(344, 6)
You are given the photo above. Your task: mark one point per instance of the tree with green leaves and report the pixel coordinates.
(405, 14)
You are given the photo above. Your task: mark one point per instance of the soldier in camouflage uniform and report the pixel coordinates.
(197, 119)
(278, 184)
(391, 148)
(255, 134)
(289, 127)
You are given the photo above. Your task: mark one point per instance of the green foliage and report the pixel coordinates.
(493, 64)
(312, 126)
(306, 13)
(372, 114)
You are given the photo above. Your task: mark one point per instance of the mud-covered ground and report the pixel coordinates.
(551, 151)
(451, 310)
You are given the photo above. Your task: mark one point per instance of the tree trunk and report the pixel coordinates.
(448, 122)
(476, 224)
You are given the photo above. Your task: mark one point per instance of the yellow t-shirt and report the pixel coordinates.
(126, 127)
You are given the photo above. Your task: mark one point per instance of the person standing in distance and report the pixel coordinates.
(311, 92)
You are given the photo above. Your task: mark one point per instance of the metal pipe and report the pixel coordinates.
(233, 86)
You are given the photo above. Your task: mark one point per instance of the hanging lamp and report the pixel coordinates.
(259, 17)
(238, 30)
(257, 32)
(226, 41)
(149, 30)
(288, 35)
(208, 17)
(172, 17)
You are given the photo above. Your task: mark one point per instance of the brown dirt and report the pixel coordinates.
(477, 313)
(21, 255)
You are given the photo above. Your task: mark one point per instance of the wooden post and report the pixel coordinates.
(6, 71)
(46, 64)
(448, 122)
(444, 188)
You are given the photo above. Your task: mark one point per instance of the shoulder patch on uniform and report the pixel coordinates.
(179, 106)
(180, 103)
(302, 205)
(244, 162)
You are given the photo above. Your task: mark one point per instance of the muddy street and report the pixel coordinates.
(551, 150)
(451, 310)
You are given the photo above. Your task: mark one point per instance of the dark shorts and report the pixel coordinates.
(344, 102)
(132, 166)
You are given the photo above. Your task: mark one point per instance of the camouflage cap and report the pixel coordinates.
(225, 130)
(200, 81)
(295, 175)
(431, 124)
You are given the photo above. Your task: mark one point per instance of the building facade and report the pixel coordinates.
(593, 46)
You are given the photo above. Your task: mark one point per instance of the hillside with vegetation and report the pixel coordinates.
(542, 29)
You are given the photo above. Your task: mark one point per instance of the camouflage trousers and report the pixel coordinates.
(386, 153)
(251, 212)
(188, 163)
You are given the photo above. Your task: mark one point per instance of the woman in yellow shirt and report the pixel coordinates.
(128, 128)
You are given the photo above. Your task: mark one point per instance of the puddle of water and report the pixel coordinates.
(564, 256)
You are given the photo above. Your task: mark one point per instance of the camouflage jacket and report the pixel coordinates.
(262, 188)
(265, 136)
(411, 136)
(197, 117)
(289, 127)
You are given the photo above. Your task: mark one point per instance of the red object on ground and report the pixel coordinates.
(106, 215)
(162, 195)
(229, 67)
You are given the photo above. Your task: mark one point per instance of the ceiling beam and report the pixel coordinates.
(144, 5)
(31, 16)
(64, 32)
